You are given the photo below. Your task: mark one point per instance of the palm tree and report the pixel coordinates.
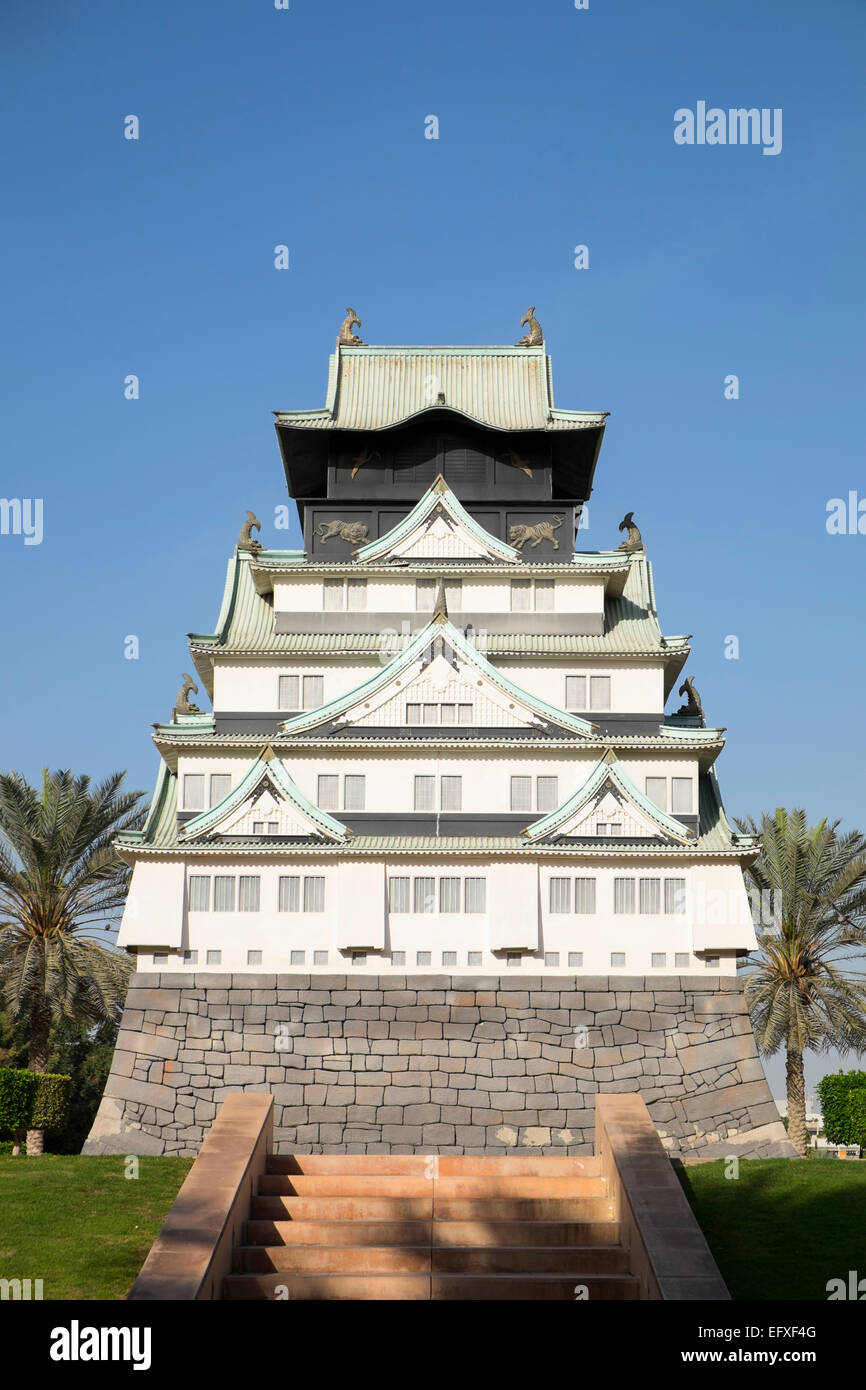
(60, 877)
(799, 991)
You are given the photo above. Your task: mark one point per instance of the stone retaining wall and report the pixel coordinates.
(425, 1063)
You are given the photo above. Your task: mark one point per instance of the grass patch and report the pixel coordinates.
(78, 1224)
(785, 1226)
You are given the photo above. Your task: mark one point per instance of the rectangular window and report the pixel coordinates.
(449, 957)
(575, 692)
(681, 796)
(464, 714)
(681, 960)
(398, 957)
(623, 895)
(599, 692)
(333, 595)
(320, 958)
(190, 957)
(314, 691)
(425, 593)
(551, 958)
(575, 958)
(249, 892)
(513, 959)
(314, 894)
(422, 957)
(214, 957)
(447, 714)
(451, 798)
(547, 793)
(584, 895)
(659, 960)
(328, 794)
(712, 962)
(199, 892)
(254, 957)
(544, 595)
(359, 957)
(473, 957)
(431, 714)
(657, 791)
(521, 793)
(454, 594)
(193, 791)
(521, 592)
(354, 792)
(290, 692)
(413, 714)
(425, 895)
(220, 786)
(425, 793)
(356, 595)
(297, 957)
(290, 893)
(617, 959)
(224, 893)
(560, 895)
(601, 828)
(675, 895)
(615, 828)
(398, 894)
(258, 827)
(475, 895)
(650, 894)
(161, 958)
(449, 895)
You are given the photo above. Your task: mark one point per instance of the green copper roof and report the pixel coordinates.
(502, 387)
(267, 766)
(437, 498)
(246, 622)
(414, 648)
(607, 769)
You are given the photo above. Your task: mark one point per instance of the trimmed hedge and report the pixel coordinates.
(32, 1100)
(843, 1106)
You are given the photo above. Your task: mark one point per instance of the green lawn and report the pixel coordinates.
(79, 1224)
(784, 1227)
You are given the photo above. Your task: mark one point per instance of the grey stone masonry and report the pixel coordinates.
(425, 1063)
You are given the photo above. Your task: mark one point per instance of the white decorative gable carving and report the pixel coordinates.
(441, 683)
(264, 806)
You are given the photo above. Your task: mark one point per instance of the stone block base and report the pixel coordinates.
(402, 1064)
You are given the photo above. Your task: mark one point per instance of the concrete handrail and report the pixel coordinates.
(667, 1248)
(193, 1251)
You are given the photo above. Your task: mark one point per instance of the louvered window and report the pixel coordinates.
(584, 895)
(290, 893)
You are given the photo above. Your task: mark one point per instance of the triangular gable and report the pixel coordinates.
(437, 528)
(438, 665)
(266, 793)
(610, 797)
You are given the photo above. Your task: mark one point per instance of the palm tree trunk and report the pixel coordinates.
(40, 1029)
(796, 1102)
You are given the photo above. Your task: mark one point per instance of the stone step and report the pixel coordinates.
(366, 1185)
(444, 1233)
(422, 1208)
(433, 1165)
(411, 1259)
(493, 1287)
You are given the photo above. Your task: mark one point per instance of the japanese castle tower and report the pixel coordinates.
(437, 765)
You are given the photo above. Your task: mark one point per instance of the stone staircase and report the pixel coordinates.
(371, 1226)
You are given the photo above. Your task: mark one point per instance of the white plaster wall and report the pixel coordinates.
(486, 773)
(153, 914)
(510, 923)
(572, 594)
(636, 688)
(253, 687)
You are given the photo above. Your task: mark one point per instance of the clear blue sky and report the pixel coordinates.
(306, 127)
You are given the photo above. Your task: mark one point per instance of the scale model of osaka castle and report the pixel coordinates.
(438, 740)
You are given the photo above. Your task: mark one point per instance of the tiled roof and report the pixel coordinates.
(161, 835)
(246, 622)
(507, 388)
